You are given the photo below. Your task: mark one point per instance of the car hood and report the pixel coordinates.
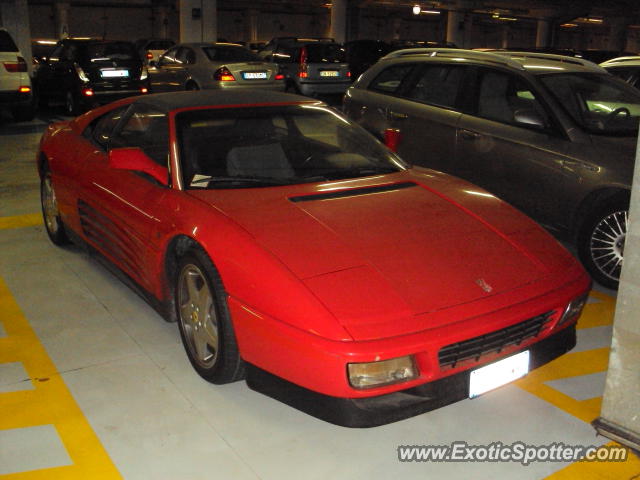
(385, 248)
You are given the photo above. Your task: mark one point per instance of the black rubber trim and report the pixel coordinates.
(375, 411)
(352, 192)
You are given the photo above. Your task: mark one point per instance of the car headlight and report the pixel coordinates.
(385, 372)
(144, 74)
(573, 310)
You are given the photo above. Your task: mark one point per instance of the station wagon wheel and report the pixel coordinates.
(50, 214)
(601, 243)
(192, 86)
(204, 320)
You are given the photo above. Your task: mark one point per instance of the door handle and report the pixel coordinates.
(397, 115)
(469, 135)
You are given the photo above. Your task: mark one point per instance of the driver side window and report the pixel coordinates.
(148, 130)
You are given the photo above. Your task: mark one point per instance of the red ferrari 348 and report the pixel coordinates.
(295, 250)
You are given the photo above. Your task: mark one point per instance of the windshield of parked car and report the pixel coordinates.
(230, 54)
(108, 51)
(267, 146)
(597, 102)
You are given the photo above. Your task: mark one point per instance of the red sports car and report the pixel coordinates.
(296, 250)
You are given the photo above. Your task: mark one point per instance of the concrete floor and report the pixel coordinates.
(94, 384)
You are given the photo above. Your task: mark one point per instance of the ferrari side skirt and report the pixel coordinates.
(164, 309)
(383, 409)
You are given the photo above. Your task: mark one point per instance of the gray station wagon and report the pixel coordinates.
(555, 136)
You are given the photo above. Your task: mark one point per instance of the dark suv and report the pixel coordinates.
(555, 136)
(83, 73)
(311, 66)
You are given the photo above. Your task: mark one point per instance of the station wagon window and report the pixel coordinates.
(438, 85)
(390, 79)
(186, 56)
(169, 57)
(507, 99)
(148, 130)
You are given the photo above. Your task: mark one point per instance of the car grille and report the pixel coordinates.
(493, 342)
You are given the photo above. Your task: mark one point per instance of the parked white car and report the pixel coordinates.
(15, 85)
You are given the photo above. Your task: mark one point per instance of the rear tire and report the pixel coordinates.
(192, 86)
(50, 214)
(71, 104)
(204, 321)
(601, 242)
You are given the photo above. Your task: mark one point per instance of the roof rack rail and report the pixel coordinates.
(457, 53)
(554, 58)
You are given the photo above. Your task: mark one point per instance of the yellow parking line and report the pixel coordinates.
(50, 402)
(20, 221)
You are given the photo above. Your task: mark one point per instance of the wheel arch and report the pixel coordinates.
(177, 246)
(593, 201)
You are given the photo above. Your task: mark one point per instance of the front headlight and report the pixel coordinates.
(385, 372)
(144, 74)
(574, 309)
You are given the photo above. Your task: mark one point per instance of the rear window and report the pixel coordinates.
(230, 54)
(160, 45)
(96, 52)
(6, 42)
(325, 53)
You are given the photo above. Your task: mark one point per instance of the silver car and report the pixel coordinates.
(195, 66)
(555, 136)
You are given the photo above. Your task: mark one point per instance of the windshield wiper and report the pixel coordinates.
(266, 181)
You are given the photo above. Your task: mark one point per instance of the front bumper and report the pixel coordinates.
(383, 409)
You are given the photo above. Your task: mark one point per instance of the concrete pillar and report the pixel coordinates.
(160, 21)
(396, 24)
(198, 21)
(456, 27)
(339, 20)
(251, 21)
(543, 37)
(617, 33)
(14, 16)
(61, 18)
(620, 414)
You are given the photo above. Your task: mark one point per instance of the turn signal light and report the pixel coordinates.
(573, 310)
(223, 75)
(386, 372)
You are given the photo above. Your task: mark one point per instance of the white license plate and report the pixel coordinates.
(329, 73)
(497, 374)
(254, 75)
(114, 73)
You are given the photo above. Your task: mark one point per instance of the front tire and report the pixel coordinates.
(50, 214)
(204, 321)
(601, 243)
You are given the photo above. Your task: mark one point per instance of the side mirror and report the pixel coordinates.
(135, 160)
(528, 116)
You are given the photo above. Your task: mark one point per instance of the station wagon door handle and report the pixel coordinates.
(469, 135)
(397, 115)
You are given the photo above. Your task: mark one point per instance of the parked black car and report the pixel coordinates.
(361, 54)
(84, 73)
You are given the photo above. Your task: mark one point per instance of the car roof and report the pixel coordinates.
(209, 44)
(167, 102)
(530, 61)
(632, 61)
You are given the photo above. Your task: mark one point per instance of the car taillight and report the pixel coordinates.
(303, 67)
(349, 74)
(223, 75)
(149, 55)
(392, 138)
(18, 66)
(279, 76)
(24, 89)
(144, 90)
(87, 92)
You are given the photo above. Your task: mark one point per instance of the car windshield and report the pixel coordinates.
(325, 53)
(230, 54)
(597, 102)
(108, 51)
(267, 146)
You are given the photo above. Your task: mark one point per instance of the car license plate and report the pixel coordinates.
(114, 73)
(499, 373)
(329, 73)
(254, 75)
